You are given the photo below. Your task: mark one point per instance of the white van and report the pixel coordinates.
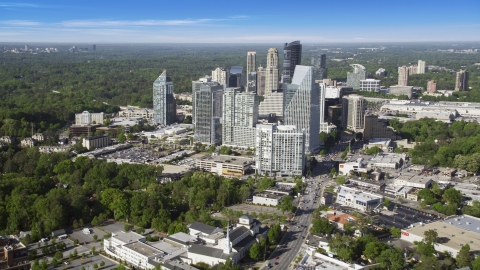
(86, 231)
(61, 237)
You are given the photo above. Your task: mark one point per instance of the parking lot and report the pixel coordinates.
(89, 262)
(87, 238)
(403, 217)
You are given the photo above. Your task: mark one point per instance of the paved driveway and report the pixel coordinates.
(88, 263)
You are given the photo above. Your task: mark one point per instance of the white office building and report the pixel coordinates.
(353, 112)
(370, 85)
(239, 117)
(86, 118)
(360, 200)
(220, 75)
(279, 149)
(272, 104)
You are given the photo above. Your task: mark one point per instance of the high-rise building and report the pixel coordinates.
(94, 47)
(26, 48)
(413, 69)
(235, 78)
(376, 128)
(279, 150)
(261, 77)
(207, 113)
(272, 105)
(431, 87)
(164, 107)
(370, 85)
(251, 61)
(301, 106)
(271, 72)
(239, 117)
(461, 84)
(421, 67)
(353, 78)
(220, 75)
(322, 90)
(252, 82)
(196, 87)
(292, 56)
(319, 64)
(403, 74)
(353, 111)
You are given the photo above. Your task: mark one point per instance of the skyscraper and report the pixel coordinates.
(164, 108)
(220, 75)
(261, 76)
(208, 113)
(252, 82)
(235, 78)
(196, 87)
(322, 87)
(421, 67)
(319, 64)
(353, 112)
(239, 118)
(279, 150)
(251, 61)
(403, 74)
(301, 106)
(431, 87)
(461, 84)
(292, 56)
(94, 47)
(271, 72)
(353, 78)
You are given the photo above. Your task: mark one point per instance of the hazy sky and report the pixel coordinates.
(260, 21)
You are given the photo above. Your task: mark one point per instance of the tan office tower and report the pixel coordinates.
(421, 67)
(261, 81)
(461, 83)
(251, 61)
(353, 112)
(431, 87)
(403, 75)
(271, 72)
(220, 75)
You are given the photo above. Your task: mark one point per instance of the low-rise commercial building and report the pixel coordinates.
(363, 201)
(267, 198)
(375, 186)
(413, 180)
(387, 160)
(230, 166)
(347, 167)
(96, 142)
(385, 144)
(454, 233)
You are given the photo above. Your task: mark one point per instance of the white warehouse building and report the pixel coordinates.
(360, 200)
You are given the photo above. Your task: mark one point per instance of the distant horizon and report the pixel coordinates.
(458, 42)
(268, 21)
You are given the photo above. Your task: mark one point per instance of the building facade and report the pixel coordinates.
(370, 85)
(86, 118)
(292, 56)
(279, 150)
(164, 107)
(359, 200)
(96, 142)
(461, 83)
(239, 117)
(220, 75)
(376, 128)
(271, 72)
(421, 67)
(403, 74)
(251, 61)
(301, 106)
(319, 64)
(401, 90)
(235, 78)
(431, 87)
(353, 111)
(353, 78)
(207, 114)
(260, 84)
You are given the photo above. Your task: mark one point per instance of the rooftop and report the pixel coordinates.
(387, 158)
(144, 249)
(209, 252)
(342, 219)
(269, 195)
(183, 238)
(358, 195)
(237, 232)
(228, 159)
(450, 235)
(177, 265)
(465, 222)
(202, 227)
(127, 237)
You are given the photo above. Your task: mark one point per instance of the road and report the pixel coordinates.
(292, 241)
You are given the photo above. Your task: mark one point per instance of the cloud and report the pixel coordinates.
(18, 5)
(238, 17)
(21, 23)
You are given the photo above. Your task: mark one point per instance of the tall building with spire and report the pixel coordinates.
(292, 56)
(301, 106)
(164, 107)
(271, 72)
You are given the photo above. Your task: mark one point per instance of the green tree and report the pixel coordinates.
(323, 136)
(424, 248)
(391, 259)
(255, 252)
(340, 180)
(58, 255)
(464, 258)
(386, 202)
(286, 204)
(428, 263)
(430, 236)
(476, 263)
(32, 254)
(373, 150)
(102, 263)
(95, 266)
(452, 196)
(395, 231)
(274, 234)
(373, 250)
(75, 253)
